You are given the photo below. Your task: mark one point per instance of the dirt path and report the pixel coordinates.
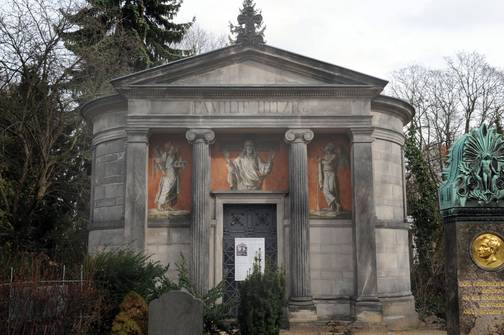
(409, 332)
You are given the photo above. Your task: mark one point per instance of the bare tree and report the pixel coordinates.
(412, 84)
(197, 41)
(40, 131)
(479, 88)
(449, 101)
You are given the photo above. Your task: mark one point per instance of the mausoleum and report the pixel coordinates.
(253, 150)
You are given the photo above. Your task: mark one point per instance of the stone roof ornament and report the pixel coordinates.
(474, 176)
(249, 30)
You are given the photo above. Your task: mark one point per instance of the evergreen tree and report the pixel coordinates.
(114, 37)
(261, 301)
(44, 184)
(498, 125)
(249, 29)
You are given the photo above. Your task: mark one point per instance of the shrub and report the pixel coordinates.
(122, 271)
(119, 272)
(214, 311)
(261, 301)
(132, 317)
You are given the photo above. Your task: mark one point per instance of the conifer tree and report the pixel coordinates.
(115, 37)
(250, 29)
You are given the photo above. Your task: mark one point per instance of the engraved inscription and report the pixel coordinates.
(247, 107)
(481, 297)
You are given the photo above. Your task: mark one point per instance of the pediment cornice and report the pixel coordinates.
(318, 91)
(267, 55)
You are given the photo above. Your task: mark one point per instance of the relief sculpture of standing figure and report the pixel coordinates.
(168, 161)
(327, 177)
(247, 171)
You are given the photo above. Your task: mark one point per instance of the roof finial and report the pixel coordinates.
(249, 30)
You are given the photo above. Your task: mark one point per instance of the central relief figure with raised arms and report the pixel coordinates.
(247, 171)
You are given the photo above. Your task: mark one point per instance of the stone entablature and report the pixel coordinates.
(339, 114)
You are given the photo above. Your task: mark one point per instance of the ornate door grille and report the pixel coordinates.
(243, 221)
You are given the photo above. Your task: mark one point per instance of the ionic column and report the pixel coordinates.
(300, 296)
(366, 307)
(135, 202)
(200, 226)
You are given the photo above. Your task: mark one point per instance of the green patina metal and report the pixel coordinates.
(475, 173)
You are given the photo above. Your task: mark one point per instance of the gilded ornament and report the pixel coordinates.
(487, 251)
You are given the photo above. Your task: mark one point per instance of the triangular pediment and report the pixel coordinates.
(247, 73)
(248, 66)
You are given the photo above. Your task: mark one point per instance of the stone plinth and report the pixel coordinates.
(475, 296)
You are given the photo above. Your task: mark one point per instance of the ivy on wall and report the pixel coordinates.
(422, 198)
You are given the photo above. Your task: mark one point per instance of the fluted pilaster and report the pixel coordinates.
(200, 227)
(299, 220)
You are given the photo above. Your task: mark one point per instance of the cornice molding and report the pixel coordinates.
(362, 134)
(138, 135)
(109, 135)
(110, 103)
(388, 135)
(185, 91)
(265, 54)
(158, 121)
(394, 106)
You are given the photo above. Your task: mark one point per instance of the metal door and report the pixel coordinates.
(245, 221)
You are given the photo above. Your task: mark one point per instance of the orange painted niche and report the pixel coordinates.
(329, 176)
(264, 145)
(169, 177)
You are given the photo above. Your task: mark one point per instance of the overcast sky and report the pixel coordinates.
(369, 36)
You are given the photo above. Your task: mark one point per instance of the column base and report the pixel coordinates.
(301, 310)
(399, 312)
(367, 310)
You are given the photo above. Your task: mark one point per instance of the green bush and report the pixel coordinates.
(132, 317)
(214, 310)
(118, 272)
(261, 301)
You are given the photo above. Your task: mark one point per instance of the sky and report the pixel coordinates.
(369, 36)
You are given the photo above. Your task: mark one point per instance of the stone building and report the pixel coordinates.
(254, 143)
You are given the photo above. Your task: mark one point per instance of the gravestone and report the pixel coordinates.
(472, 205)
(176, 313)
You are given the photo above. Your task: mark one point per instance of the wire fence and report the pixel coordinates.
(42, 303)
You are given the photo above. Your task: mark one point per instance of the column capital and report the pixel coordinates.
(137, 135)
(198, 135)
(299, 136)
(362, 135)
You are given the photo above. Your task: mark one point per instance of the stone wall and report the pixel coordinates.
(392, 258)
(388, 181)
(332, 270)
(105, 239)
(166, 244)
(108, 185)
